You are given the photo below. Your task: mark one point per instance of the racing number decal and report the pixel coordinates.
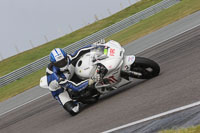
(112, 52)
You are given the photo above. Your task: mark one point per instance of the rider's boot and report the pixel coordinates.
(72, 107)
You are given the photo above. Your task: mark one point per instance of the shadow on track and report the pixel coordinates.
(121, 89)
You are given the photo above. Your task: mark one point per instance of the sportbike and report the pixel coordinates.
(108, 60)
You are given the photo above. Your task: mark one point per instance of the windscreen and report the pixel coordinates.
(100, 49)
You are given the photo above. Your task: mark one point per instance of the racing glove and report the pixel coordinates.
(90, 82)
(60, 80)
(95, 78)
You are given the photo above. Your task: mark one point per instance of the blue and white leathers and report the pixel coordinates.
(54, 74)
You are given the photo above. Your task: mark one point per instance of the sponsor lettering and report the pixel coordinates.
(112, 52)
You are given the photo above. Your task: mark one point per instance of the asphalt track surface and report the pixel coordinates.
(177, 85)
(182, 119)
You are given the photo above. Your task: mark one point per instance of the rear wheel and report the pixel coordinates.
(144, 68)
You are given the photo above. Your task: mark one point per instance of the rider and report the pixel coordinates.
(60, 72)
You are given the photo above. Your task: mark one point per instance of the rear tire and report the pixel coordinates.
(144, 68)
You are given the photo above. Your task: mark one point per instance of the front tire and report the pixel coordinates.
(144, 68)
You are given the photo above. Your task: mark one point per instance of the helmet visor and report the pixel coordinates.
(61, 63)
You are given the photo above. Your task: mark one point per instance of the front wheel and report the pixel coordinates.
(144, 68)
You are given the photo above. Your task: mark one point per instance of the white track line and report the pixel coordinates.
(136, 53)
(23, 104)
(154, 117)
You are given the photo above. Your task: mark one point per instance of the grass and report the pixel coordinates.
(21, 85)
(168, 16)
(184, 8)
(22, 59)
(195, 129)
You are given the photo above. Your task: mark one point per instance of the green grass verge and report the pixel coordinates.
(21, 85)
(195, 129)
(155, 22)
(184, 8)
(22, 59)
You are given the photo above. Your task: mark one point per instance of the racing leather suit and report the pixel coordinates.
(55, 74)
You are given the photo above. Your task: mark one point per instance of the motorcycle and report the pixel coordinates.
(107, 60)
